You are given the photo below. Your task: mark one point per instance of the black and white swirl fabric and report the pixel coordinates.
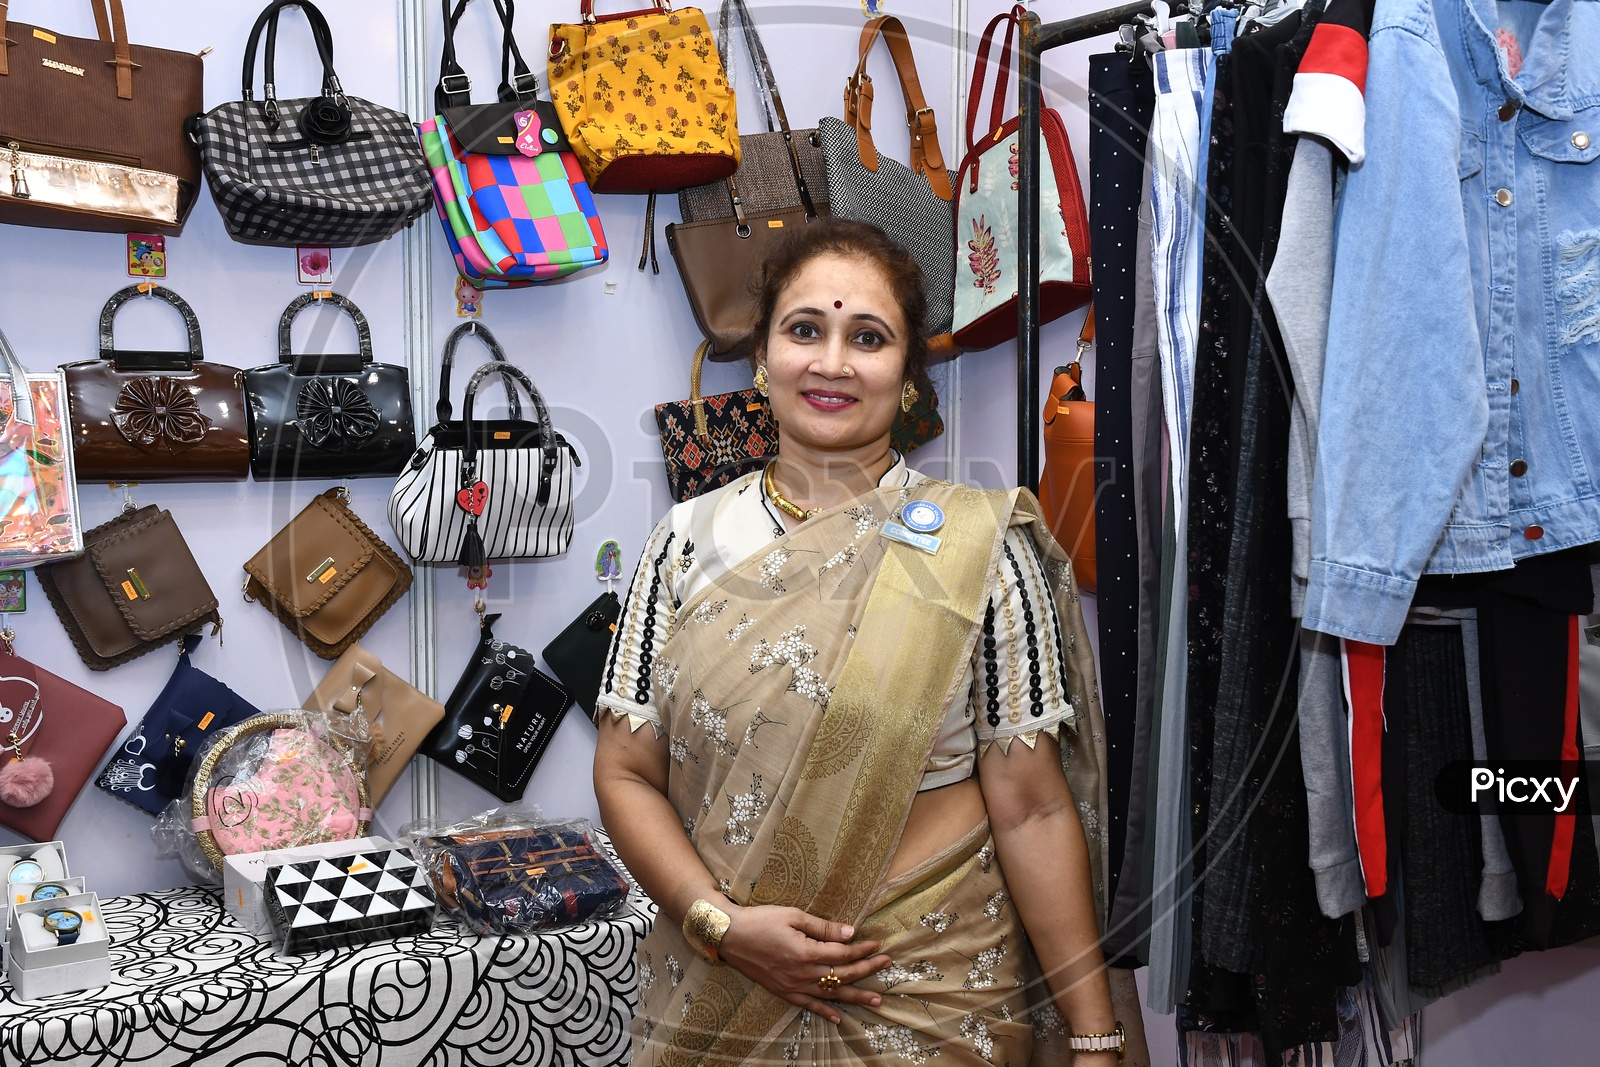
(190, 986)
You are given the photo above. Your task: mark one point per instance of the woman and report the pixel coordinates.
(834, 657)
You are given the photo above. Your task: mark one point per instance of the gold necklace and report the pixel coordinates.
(770, 486)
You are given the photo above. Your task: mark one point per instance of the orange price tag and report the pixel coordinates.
(205, 720)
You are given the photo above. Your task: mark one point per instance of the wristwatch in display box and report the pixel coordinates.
(24, 867)
(58, 945)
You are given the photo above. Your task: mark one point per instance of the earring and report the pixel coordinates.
(761, 380)
(909, 397)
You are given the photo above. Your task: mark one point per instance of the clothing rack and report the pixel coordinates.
(1037, 39)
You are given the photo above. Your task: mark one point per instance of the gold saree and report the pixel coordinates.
(801, 694)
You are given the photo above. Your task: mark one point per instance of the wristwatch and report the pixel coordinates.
(49, 891)
(26, 871)
(1116, 1041)
(65, 924)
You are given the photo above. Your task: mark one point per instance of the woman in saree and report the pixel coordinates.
(834, 725)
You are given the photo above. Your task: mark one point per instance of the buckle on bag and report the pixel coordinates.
(444, 83)
(516, 84)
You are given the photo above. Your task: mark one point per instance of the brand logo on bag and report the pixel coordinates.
(69, 68)
(45, 35)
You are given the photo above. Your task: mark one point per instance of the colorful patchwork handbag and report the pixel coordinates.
(509, 192)
(986, 214)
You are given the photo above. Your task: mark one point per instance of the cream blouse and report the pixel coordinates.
(1022, 683)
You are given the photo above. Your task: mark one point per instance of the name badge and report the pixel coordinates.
(895, 532)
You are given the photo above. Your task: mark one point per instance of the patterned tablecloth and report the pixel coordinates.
(190, 986)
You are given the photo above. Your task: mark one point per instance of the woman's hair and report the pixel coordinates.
(856, 240)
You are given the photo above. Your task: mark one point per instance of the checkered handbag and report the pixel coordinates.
(509, 192)
(333, 170)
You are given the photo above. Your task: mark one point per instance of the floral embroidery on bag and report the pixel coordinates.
(1015, 166)
(984, 259)
(159, 413)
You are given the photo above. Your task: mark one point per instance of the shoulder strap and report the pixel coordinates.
(22, 395)
(980, 74)
(517, 82)
(927, 158)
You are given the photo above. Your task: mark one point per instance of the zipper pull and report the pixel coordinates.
(19, 178)
(316, 155)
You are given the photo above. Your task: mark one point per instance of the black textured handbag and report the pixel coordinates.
(578, 653)
(500, 717)
(328, 170)
(328, 416)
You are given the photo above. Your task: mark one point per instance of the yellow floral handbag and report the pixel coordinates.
(644, 99)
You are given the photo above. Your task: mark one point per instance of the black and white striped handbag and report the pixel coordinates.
(486, 489)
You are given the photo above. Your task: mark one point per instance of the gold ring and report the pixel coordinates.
(829, 982)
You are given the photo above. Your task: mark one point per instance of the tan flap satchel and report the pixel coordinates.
(398, 714)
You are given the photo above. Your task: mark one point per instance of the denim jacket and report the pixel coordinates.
(1460, 422)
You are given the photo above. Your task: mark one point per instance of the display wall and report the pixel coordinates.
(604, 347)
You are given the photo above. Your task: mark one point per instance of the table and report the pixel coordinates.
(190, 986)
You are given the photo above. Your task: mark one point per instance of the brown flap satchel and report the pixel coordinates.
(135, 588)
(92, 130)
(398, 714)
(327, 576)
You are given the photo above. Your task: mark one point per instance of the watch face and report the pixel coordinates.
(63, 921)
(26, 871)
(50, 891)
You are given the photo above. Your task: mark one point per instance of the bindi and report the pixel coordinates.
(838, 303)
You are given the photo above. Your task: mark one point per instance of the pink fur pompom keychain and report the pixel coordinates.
(24, 780)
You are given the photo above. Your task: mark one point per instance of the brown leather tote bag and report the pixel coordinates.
(156, 416)
(92, 131)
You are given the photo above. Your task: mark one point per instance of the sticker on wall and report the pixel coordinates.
(313, 264)
(469, 300)
(13, 591)
(874, 8)
(608, 562)
(147, 255)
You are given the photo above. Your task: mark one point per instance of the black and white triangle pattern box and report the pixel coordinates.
(347, 900)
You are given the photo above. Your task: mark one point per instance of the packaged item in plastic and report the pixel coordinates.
(511, 871)
(277, 780)
(333, 901)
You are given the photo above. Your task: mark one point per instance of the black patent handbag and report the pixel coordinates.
(500, 717)
(328, 416)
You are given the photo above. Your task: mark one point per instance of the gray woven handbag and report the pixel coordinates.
(332, 170)
(912, 205)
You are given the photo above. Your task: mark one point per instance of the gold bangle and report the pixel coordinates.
(704, 926)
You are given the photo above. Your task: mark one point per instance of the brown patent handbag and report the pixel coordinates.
(327, 576)
(156, 416)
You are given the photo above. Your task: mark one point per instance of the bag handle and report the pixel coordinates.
(772, 104)
(696, 401)
(21, 395)
(548, 452)
(111, 27)
(443, 409)
(312, 364)
(659, 7)
(926, 157)
(149, 360)
(268, 20)
(517, 82)
(980, 73)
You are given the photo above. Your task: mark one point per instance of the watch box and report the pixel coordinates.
(347, 900)
(41, 967)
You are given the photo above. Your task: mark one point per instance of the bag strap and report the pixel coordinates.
(927, 159)
(658, 7)
(980, 73)
(443, 409)
(22, 396)
(268, 20)
(696, 401)
(312, 364)
(548, 452)
(517, 81)
(111, 27)
(149, 360)
(771, 101)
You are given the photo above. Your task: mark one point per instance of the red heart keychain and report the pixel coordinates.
(473, 499)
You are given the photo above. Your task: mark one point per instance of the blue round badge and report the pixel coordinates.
(923, 516)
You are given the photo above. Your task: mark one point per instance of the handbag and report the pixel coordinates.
(330, 170)
(1067, 483)
(65, 727)
(491, 489)
(912, 205)
(709, 441)
(986, 213)
(397, 714)
(730, 227)
(499, 719)
(328, 416)
(577, 655)
(39, 517)
(644, 99)
(148, 769)
(509, 192)
(91, 131)
(135, 588)
(132, 425)
(327, 576)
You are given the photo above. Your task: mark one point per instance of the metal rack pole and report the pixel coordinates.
(1037, 39)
